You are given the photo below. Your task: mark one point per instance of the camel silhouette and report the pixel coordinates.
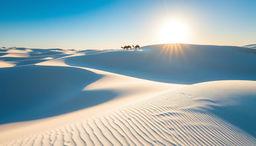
(127, 47)
(136, 47)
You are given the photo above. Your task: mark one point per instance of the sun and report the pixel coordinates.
(173, 31)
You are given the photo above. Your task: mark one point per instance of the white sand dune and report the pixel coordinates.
(77, 97)
(6, 64)
(23, 56)
(176, 63)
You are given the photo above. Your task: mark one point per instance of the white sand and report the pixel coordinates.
(6, 64)
(77, 99)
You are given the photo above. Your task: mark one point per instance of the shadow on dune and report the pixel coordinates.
(24, 60)
(2, 54)
(34, 92)
(231, 101)
(186, 64)
(241, 113)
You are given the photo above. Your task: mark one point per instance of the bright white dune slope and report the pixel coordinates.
(72, 100)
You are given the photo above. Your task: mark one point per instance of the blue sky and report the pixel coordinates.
(98, 24)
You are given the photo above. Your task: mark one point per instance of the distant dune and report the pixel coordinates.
(159, 95)
(253, 46)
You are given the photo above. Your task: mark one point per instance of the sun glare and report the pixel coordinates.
(173, 31)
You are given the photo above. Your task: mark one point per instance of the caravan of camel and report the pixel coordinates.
(129, 47)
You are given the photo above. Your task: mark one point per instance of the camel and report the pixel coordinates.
(136, 47)
(127, 47)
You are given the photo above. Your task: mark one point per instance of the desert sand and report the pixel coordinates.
(159, 95)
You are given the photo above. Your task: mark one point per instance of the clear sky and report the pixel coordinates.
(99, 24)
